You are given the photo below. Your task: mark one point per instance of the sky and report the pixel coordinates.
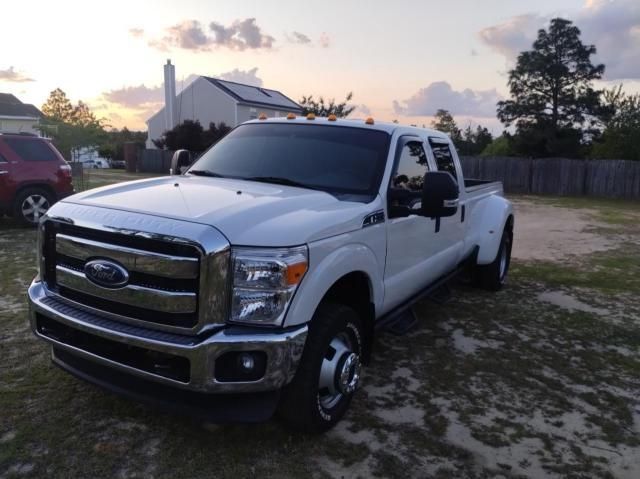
(402, 59)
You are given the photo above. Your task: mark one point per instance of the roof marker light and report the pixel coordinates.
(369, 121)
(332, 117)
(311, 116)
(291, 116)
(262, 116)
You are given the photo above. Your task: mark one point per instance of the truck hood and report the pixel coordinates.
(246, 212)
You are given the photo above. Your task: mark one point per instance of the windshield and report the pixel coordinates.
(334, 159)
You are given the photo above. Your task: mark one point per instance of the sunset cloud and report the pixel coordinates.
(298, 38)
(135, 96)
(361, 110)
(12, 76)
(136, 32)
(248, 77)
(324, 41)
(193, 35)
(425, 102)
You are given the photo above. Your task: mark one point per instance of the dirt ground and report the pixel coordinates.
(539, 380)
(548, 232)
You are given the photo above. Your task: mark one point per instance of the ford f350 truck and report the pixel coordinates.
(254, 282)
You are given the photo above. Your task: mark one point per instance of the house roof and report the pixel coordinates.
(253, 95)
(11, 106)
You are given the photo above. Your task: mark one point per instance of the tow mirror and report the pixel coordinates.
(180, 161)
(440, 195)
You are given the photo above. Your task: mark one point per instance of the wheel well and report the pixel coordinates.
(42, 186)
(509, 223)
(354, 290)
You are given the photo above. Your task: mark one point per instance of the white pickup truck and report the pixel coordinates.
(254, 282)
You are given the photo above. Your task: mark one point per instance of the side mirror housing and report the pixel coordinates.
(440, 195)
(180, 161)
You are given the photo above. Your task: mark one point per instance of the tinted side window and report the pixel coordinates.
(412, 167)
(31, 149)
(444, 158)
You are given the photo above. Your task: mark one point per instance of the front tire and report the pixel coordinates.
(493, 276)
(329, 371)
(31, 204)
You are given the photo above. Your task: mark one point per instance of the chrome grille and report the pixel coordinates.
(166, 275)
(131, 294)
(133, 259)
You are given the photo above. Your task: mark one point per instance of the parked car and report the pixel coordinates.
(95, 164)
(119, 164)
(33, 176)
(256, 280)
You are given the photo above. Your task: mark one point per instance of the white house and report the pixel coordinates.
(18, 117)
(211, 100)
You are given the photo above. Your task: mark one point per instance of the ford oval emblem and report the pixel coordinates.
(106, 273)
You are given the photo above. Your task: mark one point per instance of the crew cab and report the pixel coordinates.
(33, 176)
(255, 281)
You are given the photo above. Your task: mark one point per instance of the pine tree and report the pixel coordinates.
(552, 98)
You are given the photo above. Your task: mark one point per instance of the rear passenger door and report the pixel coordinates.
(452, 227)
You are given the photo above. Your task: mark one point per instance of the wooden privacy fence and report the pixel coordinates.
(558, 176)
(154, 161)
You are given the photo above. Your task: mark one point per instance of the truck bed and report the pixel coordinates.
(473, 185)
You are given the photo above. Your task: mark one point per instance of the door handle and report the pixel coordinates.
(4, 172)
(451, 203)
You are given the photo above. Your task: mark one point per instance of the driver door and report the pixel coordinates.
(415, 252)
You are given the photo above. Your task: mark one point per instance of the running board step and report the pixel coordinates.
(441, 294)
(405, 323)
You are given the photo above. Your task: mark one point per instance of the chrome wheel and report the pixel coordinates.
(503, 263)
(34, 207)
(504, 259)
(340, 371)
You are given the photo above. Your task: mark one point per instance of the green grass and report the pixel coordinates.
(566, 382)
(611, 272)
(102, 177)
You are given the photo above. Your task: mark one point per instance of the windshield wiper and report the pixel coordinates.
(209, 173)
(279, 180)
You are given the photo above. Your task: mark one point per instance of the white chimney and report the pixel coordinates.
(170, 113)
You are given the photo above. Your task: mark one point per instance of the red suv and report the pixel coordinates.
(33, 176)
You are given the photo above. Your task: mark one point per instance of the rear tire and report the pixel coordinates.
(493, 276)
(31, 204)
(328, 373)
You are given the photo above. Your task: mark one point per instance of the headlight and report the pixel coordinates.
(264, 282)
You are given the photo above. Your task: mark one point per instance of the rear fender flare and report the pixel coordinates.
(496, 211)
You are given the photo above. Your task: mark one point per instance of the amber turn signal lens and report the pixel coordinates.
(291, 116)
(311, 116)
(262, 116)
(369, 121)
(332, 118)
(295, 272)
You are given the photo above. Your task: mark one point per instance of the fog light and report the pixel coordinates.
(246, 362)
(240, 366)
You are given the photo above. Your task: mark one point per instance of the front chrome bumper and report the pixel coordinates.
(283, 349)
